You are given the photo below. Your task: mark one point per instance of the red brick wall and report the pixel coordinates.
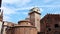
(49, 22)
(22, 30)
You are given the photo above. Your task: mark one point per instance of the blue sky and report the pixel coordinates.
(15, 10)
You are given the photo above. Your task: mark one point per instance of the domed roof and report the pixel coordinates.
(24, 23)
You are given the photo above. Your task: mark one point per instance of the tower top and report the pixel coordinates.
(35, 10)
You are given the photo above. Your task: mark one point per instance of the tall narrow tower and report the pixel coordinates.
(1, 21)
(1, 15)
(1, 12)
(1, 18)
(35, 17)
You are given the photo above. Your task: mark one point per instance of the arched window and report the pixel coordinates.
(56, 25)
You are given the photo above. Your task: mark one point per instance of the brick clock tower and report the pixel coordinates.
(1, 21)
(35, 17)
(1, 12)
(1, 17)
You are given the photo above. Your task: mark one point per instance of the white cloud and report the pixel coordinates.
(6, 18)
(8, 11)
(25, 13)
(57, 12)
(16, 2)
(9, 1)
(20, 3)
(24, 8)
(51, 6)
(46, 1)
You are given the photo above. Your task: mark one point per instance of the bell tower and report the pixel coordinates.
(1, 18)
(1, 12)
(35, 17)
(1, 15)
